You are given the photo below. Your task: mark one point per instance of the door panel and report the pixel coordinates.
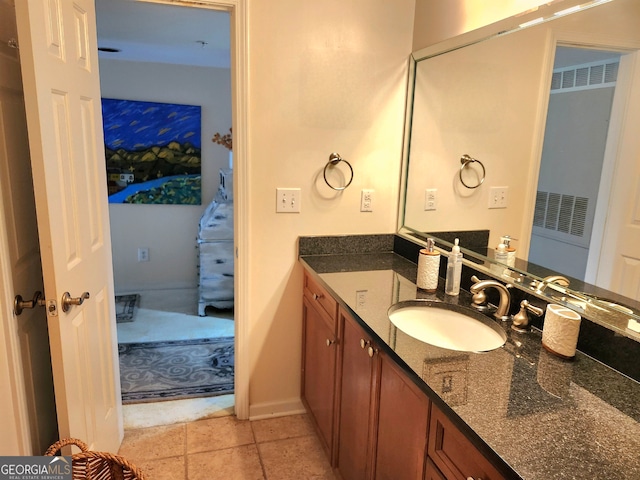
(58, 49)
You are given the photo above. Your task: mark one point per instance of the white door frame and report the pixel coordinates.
(241, 234)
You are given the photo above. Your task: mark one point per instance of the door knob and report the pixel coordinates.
(19, 304)
(68, 300)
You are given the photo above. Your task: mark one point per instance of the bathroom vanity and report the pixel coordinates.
(389, 406)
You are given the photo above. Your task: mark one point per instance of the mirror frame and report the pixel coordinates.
(522, 278)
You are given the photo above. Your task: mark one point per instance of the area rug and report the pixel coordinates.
(126, 307)
(171, 370)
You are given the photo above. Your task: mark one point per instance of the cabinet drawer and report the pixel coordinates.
(319, 296)
(454, 455)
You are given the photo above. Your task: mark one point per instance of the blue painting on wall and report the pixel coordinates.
(152, 152)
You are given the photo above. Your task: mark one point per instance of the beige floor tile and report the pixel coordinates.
(295, 459)
(238, 463)
(217, 434)
(153, 443)
(173, 468)
(280, 428)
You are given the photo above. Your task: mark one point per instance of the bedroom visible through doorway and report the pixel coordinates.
(180, 66)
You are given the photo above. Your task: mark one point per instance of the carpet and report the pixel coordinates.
(126, 307)
(171, 370)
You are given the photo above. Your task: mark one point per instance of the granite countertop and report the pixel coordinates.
(539, 416)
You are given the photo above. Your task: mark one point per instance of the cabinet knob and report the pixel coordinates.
(364, 343)
(372, 351)
(471, 478)
(329, 342)
(316, 296)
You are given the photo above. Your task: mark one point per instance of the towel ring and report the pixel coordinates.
(334, 159)
(465, 160)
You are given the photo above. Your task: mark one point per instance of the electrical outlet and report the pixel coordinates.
(143, 254)
(366, 200)
(430, 198)
(498, 197)
(361, 299)
(287, 200)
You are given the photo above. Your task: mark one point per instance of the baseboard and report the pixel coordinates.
(291, 406)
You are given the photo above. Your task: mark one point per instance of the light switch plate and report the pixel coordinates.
(287, 200)
(498, 197)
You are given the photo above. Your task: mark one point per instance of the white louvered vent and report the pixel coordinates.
(585, 76)
(560, 212)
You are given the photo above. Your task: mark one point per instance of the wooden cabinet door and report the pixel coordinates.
(319, 370)
(403, 416)
(355, 401)
(454, 454)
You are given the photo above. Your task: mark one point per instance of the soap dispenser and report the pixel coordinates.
(454, 271)
(500, 256)
(511, 250)
(428, 267)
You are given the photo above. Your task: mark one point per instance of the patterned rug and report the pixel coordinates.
(126, 307)
(156, 371)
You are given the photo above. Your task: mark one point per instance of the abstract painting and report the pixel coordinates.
(152, 152)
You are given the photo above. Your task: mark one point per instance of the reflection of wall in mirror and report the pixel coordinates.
(468, 101)
(508, 140)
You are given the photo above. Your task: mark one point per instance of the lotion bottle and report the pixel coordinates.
(454, 271)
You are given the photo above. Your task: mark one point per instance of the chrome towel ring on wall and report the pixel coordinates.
(466, 160)
(334, 159)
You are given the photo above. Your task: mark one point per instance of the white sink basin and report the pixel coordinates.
(447, 326)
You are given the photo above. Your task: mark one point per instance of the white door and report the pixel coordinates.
(58, 52)
(619, 266)
(26, 342)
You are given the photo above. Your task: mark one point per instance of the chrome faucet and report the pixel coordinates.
(556, 279)
(479, 297)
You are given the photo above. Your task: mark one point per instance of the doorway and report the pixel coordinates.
(573, 159)
(182, 66)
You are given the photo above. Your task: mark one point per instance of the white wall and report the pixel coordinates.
(325, 77)
(169, 231)
(436, 21)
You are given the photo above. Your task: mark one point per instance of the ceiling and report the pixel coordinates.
(152, 32)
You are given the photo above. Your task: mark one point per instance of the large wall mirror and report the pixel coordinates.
(550, 108)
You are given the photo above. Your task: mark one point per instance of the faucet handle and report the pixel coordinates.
(521, 319)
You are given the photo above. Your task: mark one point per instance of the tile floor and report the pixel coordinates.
(282, 448)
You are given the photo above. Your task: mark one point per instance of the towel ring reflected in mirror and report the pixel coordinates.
(335, 159)
(466, 160)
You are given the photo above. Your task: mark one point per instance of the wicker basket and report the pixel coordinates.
(89, 465)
